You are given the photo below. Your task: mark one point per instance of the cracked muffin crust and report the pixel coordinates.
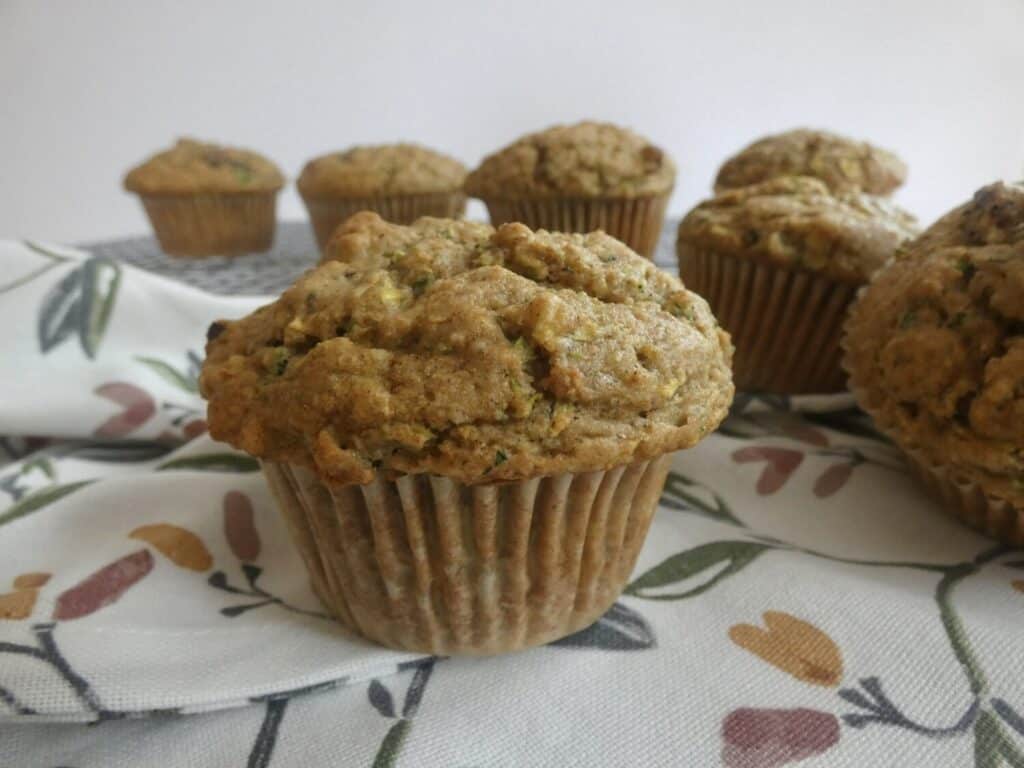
(585, 160)
(935, 344)
(841, 163)
(385, 169)
(450, 348)
(797, 222)
(193, 167)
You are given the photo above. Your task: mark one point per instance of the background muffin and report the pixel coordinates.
(456, 413)
(935, 350)
(579, 178)
(401, 182)
(780, 262)
(843, 164)
(205, 199)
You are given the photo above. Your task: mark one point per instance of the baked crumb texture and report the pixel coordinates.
(935, 344)
(842, 164)
(482, 355)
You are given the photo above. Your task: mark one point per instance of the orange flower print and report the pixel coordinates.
(18, 604)
(179, 545)
(794, 646)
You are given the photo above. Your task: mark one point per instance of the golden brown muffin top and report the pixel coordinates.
(842, 163)
(192, 167)
(450, 348)
(384, 169)
(935, 344)
(796, 222)
(582, 160)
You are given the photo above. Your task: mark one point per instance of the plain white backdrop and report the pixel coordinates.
(89, 88)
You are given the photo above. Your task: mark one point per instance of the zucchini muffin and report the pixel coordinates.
(935, 350)
(580, 178)
(401, 182)
(206, 200)
(468, 430)
(780, 262)
(843, 164)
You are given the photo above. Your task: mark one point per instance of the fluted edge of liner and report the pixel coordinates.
(426, 564)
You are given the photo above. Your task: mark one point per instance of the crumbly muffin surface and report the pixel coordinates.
(450, 348)
(797, 222)
(385, 169)
(935, 344)
(842, 163)
(192, 167)
(582, 160)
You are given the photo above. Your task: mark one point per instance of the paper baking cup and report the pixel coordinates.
(212, 225)
(426, 564)
(635, 221)
(965, 499)
(785, 324)
(326, 214)
(991, 515)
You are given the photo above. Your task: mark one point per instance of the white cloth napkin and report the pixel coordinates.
(798, 598)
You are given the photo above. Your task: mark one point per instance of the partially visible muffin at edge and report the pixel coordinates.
(205, 199)
(401, 182)
(935, 350)
(779, 262)
(843, 164)
(580, 178)
(439, 347)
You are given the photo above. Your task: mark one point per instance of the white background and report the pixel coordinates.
(87, 89)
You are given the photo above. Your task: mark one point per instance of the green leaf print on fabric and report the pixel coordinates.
(685, 494)
(82, 302)
(58, 315)
(39, 499)
(100, 281)
(380, 699)
(620, 629)
(187, 379)
(716, 561)
(213, 462)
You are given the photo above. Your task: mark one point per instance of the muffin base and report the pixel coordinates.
(326, 214)
(785, 324)
(212, 224)
(966, 500)
(987, 514)
(635, 221)
(426, 564)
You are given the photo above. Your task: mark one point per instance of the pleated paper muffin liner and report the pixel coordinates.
(965, 499)
(991, 515)
(423, 563)
(326, 214)
(785, 324)
(227, 224)
(635, 221)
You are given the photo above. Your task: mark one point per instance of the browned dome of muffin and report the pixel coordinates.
(193, 167)
(797, 222)
(450, 348)
(588, 160)
(935, 345)
(842, 163)
(384, 169)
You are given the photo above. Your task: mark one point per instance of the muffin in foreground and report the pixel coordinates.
(779, 263)
(401, 182)
(468, 430)
(842, 164)
(208, 200)
(579, 178)
(935, 351)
